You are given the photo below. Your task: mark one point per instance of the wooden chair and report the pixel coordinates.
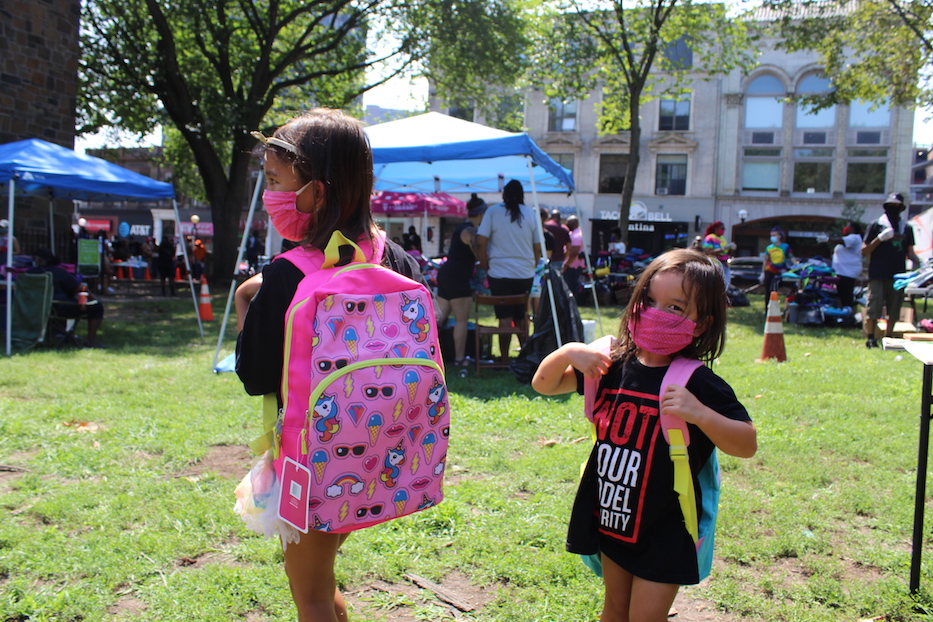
(483, 331)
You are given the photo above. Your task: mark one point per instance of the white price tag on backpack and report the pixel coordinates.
(296, 489)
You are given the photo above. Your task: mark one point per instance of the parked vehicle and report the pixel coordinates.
(746, 271)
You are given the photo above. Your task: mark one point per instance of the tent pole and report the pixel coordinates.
(236, 266)
(184, 252)
(589, 266)
(550, 294)
(9, 269)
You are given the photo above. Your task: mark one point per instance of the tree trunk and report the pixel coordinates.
(226, 211)
(628, 188)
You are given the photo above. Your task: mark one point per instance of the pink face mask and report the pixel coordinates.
(661, 332)
(283, 211)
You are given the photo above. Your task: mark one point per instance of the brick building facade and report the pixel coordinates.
(39, 52)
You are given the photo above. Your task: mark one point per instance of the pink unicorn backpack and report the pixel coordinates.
(362, 435)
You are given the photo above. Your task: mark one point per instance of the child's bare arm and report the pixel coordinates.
(555, 374)
(736, 438)
(243, 296)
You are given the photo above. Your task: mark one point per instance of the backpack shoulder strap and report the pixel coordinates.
(590, 385)
(309, 260)
(679, 373)
(678, 438)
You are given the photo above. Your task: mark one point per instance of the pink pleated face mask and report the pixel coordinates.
(661, 332)
(283, 212)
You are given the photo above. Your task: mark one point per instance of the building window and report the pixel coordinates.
(763, 107)
(612, 170)
(866, 171)
(862, 115)
(868, 138)
(761, 170)
(814, 138)
(563, 159)
(813, 170)
(762, 138)
(671, 175)
(815, 84)
(562, 116)
(462, 112)
(679, 54)
(675, 115)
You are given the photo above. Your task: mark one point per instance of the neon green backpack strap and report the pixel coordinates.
(678, 438)
(270, 414)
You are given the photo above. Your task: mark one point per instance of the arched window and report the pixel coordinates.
(763, 107)
(815, 84)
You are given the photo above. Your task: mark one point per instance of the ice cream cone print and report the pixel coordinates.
(411, 381)
(319, 461)
(428, 443)
(400, 499)
(374, 425)
(350, 338)
(379, 301)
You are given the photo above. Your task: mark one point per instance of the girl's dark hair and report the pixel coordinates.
(513, 195)
(335, 151)
(704, 286)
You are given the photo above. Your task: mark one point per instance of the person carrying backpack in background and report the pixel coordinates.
(626, 509)
(319, 179)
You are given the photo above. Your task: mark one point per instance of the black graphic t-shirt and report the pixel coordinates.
(626, 505)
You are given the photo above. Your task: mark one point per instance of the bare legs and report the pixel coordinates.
(460, 307)
(632, 599)
(309, 564)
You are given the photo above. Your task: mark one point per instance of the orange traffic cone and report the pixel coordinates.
(773, 347)
(204, 302)
(146, 275)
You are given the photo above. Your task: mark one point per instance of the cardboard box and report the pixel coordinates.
(900, 328)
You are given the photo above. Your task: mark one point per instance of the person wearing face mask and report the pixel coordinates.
(778, 260)
(626, 509)
(889, 242)
(319, 180)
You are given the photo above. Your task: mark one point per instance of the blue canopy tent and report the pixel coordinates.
(40, 169)
(434, 152)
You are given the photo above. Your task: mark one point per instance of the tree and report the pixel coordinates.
(629, 49)
(878, 51)
(211, 71)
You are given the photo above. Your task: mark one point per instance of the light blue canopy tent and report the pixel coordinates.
(38, 168)
(434, 152)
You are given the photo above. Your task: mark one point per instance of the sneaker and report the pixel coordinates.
(871, 343)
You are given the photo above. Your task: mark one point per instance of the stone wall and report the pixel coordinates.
(39, 54)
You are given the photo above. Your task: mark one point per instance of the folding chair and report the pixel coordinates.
(32, 306)
(61, 331)
(483, 331)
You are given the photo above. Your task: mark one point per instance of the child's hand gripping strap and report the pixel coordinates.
(603, 344)
(678, 438)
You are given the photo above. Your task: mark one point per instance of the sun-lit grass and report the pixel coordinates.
(112, 507)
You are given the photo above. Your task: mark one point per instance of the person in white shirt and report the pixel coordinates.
(847, 262)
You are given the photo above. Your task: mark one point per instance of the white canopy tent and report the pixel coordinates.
(434, 152)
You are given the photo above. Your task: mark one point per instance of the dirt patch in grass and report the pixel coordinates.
(229, 461)
(399, 602)
(127, 608)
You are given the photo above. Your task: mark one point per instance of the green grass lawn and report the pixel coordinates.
(119, 467)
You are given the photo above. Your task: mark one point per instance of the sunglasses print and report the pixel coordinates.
(373, 510)
(372, 392)
(342, 451)
(350, 306)
(325, 365)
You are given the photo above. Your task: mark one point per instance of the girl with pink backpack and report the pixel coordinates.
(351, 439)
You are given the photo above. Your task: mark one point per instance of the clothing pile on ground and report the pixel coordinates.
(814, 301)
